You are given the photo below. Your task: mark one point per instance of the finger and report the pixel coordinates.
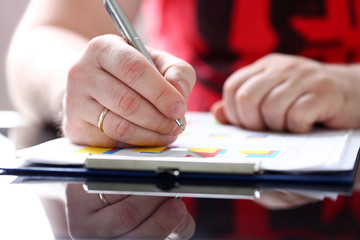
(125, 131)
(178, 72)
(186, 230)
(249, 97)
(276, 104)
(217, 109)
(124, 216)
(133, 69)
(305, 112)
(128, 104)
(231, 86)
(171, 217)
(77, 195)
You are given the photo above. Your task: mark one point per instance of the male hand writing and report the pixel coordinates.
(142, 100)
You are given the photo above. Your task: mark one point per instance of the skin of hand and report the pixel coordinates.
(127, 216)
(283, 92)
(276, 200)
(143, 101)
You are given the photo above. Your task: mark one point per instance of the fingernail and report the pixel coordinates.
(183, 225)
(184, 88)
(178, 110)
(177, 209)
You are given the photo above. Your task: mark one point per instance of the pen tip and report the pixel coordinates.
(180, 123)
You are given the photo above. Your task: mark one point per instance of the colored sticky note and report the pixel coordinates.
(260, 153)
(203, 150)
(150, 149)
(207, 152)
(93, 150)
(256, 152)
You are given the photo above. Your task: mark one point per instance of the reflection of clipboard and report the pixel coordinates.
(246, 186)
(160, 189)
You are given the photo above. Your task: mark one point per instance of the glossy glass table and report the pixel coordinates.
(274, 214)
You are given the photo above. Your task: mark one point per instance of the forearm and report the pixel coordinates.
(37, 66)
(50, 37)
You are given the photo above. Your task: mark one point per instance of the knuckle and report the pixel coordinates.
(269, 111)
(98, 44)
(294, 117)
(133, 68)
(188, 71)
(160, 96)
(243, 98)
(127, 217)
(272, 116)
(72, 130)
(324, 83)
(129, 103)
(75, 76)
(230, 87)
(188, 68)
(123, 129)
(101, 48)
(271, 57)
(295, 122)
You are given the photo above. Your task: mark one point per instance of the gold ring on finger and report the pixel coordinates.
(103, 199)
(101, 118)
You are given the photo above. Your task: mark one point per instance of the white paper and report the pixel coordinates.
(10, 119)
(7, 150)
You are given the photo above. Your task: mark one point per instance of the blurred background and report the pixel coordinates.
(10, 14)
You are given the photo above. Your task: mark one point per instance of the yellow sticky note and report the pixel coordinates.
(203, 150)
(93, 150)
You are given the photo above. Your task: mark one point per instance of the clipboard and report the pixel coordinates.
(203, 185)
(172, 181)
(156, 171)
(206, 154)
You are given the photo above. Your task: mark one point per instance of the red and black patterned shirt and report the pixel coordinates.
(220, 36)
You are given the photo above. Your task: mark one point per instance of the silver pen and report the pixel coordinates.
(127, 31)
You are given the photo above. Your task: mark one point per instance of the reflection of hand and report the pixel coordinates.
(283, 92)
(126, 216)
(274, 200)
(143, 103)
